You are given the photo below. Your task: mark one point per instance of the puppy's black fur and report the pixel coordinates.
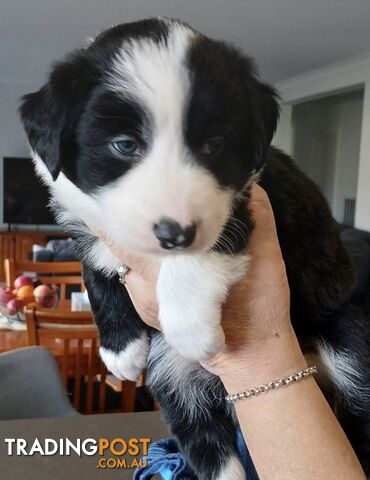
(68, 123)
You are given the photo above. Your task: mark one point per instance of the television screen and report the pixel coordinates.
(25, 197)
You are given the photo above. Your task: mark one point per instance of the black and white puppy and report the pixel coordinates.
(154, 133)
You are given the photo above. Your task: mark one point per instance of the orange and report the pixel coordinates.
(25, 293)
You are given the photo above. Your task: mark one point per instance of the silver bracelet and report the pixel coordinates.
(274, 385)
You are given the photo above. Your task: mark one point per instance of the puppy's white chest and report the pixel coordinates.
(191, 290)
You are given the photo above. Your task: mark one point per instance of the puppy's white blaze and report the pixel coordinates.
(129, 363)
(155, 74)
(233, 470)
(166, 183)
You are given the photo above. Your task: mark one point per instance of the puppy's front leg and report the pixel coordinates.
(124, 341)
(191, 290)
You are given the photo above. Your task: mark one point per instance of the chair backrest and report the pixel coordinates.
(58, 274)
(32, 374)
(73, 339)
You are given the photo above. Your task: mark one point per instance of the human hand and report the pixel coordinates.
(260, 341)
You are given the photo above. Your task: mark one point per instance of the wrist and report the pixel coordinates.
(266, 361)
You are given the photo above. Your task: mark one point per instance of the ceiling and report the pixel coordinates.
(287, 37)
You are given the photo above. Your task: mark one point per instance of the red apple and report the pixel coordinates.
(45, 296)
(41, 291)
(14, 306)
(51, 300)
(22, 280)
(6, 294)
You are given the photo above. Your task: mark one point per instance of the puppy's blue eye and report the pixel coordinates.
(127, 147)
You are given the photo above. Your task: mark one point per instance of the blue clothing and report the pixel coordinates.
(165, 459)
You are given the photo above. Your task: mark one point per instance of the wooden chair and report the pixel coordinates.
(78, 353)
(59, 274)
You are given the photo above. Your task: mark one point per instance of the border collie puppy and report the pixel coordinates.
(154, 133)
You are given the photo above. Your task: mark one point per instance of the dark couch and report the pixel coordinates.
(56, 251)
(59, 250)
(357, 244)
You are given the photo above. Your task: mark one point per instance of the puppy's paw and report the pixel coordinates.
(198, 345)
(191, 290)
(129, 363)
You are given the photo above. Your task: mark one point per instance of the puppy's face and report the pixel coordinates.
(150, 134)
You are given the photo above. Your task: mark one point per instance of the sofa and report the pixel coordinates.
(59, 250)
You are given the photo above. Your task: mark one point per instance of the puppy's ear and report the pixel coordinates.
(50, 116)
(267, 113)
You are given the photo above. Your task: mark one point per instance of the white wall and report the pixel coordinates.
(12, 138)
(341, 77)
(327, 135)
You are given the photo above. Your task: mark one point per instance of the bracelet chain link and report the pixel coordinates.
(273, 385)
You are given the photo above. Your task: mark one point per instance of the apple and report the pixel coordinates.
(45, 296)
(6, 294)
(41, 291)
(14, 306)
(21, 281)
(51, 300)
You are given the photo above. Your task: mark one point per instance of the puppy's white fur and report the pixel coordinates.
(190, 291)
(344, 370)
(233, 470)
(130, 362)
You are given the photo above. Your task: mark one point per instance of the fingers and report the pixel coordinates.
(143, 296)
(145, 266)
(264, 241)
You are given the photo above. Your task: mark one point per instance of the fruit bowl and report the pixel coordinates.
(13, 301)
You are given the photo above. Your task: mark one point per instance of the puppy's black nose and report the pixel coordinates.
(172, 235)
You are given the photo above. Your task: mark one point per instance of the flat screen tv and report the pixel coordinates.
(25, 197)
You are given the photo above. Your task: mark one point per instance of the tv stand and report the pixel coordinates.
(18, 244)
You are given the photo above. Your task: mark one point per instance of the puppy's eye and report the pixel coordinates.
(213, 146)
(127, 146)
